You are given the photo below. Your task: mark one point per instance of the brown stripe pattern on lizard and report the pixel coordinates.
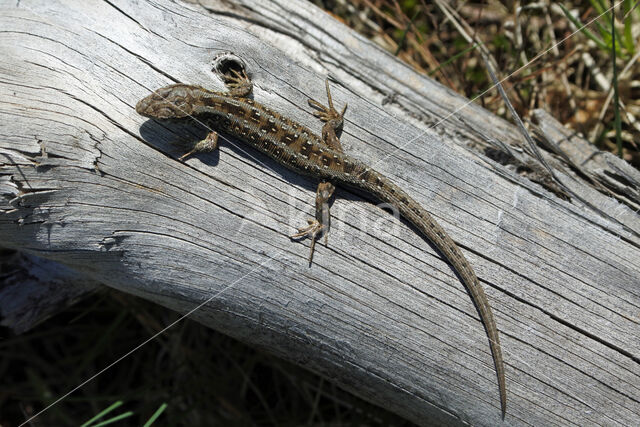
(298, 148)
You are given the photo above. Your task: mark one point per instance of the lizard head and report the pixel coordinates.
(170, 102)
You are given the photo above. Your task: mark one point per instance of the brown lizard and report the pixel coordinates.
(298, 148)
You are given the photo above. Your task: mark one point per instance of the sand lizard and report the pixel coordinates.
(298, 148)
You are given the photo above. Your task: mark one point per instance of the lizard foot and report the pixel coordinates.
(207, 145)
(238, 83)
(313, 231)
(327, 114)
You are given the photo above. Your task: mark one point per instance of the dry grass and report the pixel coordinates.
(572, 80)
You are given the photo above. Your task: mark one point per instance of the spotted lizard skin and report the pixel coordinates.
(298, 148)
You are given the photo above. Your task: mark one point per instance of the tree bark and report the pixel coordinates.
(89, 184)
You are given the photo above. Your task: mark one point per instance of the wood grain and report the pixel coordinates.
(90, 184)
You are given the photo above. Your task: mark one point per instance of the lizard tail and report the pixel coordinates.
(411, 210)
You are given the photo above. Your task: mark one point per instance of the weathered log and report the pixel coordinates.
(88, 183)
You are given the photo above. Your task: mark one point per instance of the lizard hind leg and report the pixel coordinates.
(333, 120)
(320, 225)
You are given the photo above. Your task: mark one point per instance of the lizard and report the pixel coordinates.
(319, 156)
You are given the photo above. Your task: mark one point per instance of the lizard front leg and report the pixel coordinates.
(239, 85)
(332, 126)
(208, 144)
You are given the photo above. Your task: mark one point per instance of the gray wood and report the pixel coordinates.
(89, 184)
(607, 172)
(32, 289)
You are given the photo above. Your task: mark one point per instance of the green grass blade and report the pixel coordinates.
(102, 413)
(614, 82)
(114, 419)
(598, 5)
(583, 29)
(628, 36)
(453, 58)
(155, 415)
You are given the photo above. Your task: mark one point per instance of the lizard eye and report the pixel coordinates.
(181, 107)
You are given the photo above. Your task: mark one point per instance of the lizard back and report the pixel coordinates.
(298, 148)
